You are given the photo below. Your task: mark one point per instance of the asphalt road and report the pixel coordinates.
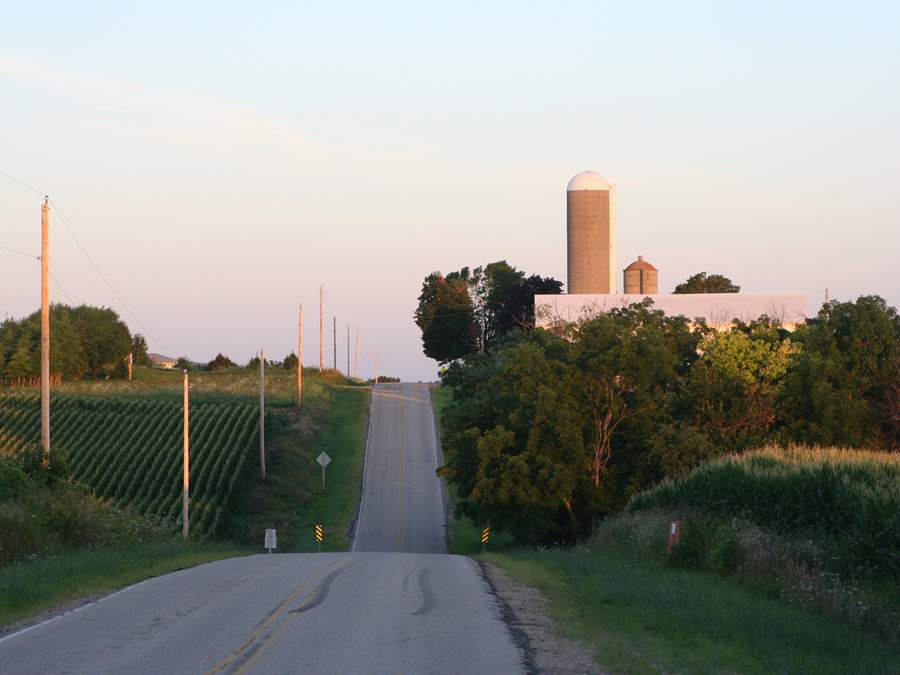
(402, 508)
(358, 612)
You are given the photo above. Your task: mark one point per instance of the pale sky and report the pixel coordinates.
(221, 160)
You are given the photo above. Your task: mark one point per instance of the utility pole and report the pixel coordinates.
(262, 413)
(321, 328)
(130, 360)
(45, 327)
(374, 379)
(356, 355)
(300, 358)
(186, 462)
(348, 350)
(334, 339)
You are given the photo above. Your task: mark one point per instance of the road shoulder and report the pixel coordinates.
(525, 611)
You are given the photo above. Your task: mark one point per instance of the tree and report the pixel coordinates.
(735, 384)
(104, 335)
(546, 432)
(184, 363)
(253, 363)
(500, 300)
(24, 361)
(517, 308)
(84, 340)
(627, 362)
(513, 442)
(701, 283)
(838, 389)
(445, 317)
(139, 352)
(220, 362)
(290, 362)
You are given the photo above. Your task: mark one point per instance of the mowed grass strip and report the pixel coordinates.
(335, 505)
(641, 616)
(31, 587)
(292, 499)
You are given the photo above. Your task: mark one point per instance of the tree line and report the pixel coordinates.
(85, 341)
(549, 430)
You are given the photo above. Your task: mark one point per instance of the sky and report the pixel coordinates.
(219, 161)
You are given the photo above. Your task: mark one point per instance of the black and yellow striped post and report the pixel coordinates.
(485, 536)
(320, 536)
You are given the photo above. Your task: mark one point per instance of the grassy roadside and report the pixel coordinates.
(292, 499)
(26, 589)
(642, 616)
(335, 506)
(638, 614)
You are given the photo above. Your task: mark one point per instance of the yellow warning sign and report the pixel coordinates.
(485, 535)
(320, 534)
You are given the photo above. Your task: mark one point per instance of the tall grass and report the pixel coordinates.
(849, 496)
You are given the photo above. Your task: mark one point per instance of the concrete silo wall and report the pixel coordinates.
(590, 223)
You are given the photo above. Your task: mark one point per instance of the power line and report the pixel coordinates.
(12, 250)
(37, 257)
(103, 277)
(56, 281)
(86, 255)
(24, 185)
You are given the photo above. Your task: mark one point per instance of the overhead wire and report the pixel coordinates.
(13, 250)
(103, 276)
(24, 185)
(37, 257)
(86, 255)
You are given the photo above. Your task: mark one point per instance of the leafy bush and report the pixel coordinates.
(13, 480)
(39, 518)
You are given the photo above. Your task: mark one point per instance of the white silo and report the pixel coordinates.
(591, 232)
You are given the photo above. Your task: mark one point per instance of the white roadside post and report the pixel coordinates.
(271, 540)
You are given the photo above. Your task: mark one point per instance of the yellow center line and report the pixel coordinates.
(276, 636)
(272, 617)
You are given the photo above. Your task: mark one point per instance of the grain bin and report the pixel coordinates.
(641, 277)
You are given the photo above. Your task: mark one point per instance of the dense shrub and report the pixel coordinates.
(43, 513)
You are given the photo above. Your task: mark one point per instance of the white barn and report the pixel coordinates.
(718, 309)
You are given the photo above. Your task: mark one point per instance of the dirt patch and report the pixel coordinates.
(525, 610)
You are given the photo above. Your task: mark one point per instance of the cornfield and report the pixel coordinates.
(130, 449)
(849, 495)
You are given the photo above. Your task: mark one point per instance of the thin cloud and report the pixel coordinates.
(188, 107)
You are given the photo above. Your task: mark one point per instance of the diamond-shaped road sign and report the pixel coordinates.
(323, 459)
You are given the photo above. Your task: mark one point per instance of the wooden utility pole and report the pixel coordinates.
(375, 379)
(186, 462)
(356, 354)
(348, 350)
(334, 339)
(130, 361)
(300, 358)
(45, 327)
(262, 413)
(321, 328)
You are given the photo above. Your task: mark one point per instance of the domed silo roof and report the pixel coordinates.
(587, 180)
(640, 264)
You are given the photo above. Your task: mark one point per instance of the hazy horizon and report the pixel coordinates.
(220, 164)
